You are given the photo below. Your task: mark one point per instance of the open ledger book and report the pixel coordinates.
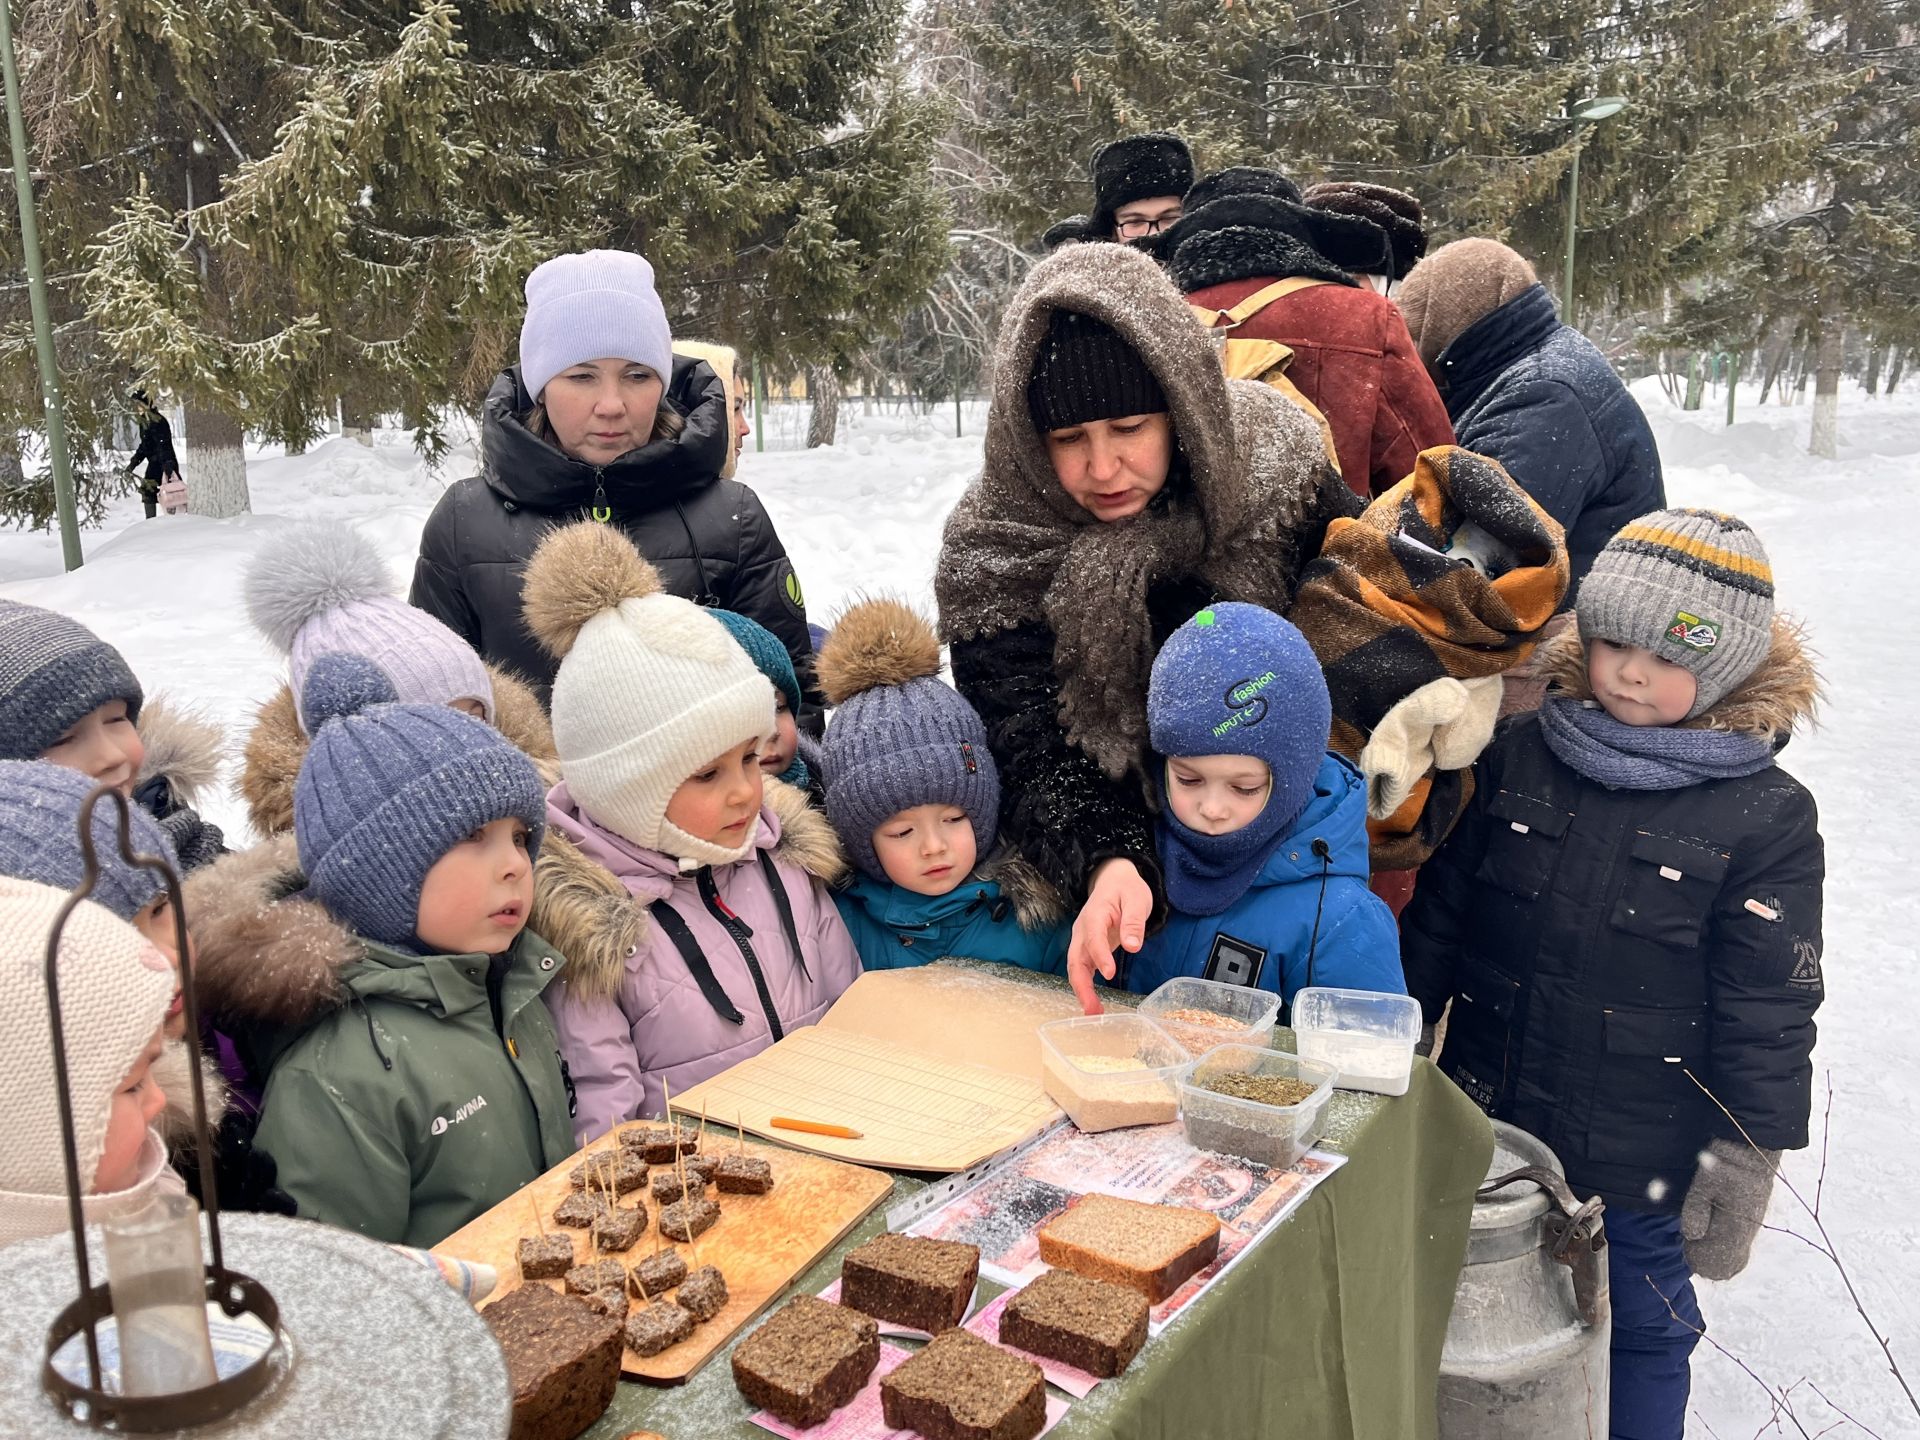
(936, 1067)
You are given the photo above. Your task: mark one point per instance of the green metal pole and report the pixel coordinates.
(1733, 383)
(958, 428)
(1573, 220)
(37, 300)
(759, 402)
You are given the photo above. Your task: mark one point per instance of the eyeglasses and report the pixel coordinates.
(1134, 229)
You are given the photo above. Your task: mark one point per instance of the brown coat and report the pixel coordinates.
(277, 745)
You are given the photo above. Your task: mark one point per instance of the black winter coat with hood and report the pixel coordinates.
(1607, 949)
(710, 539)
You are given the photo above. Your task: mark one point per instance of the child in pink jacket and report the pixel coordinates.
(686, 890)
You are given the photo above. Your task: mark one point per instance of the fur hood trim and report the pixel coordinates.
(262, 953)
(1036, 904)
(170, 1072)
(277, 745)
(184, 748)
(876, 643)
(578, 572)
(583, 911)
(1782, 692)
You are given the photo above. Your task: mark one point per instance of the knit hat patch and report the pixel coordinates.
(387, 789)
(54, 672)
(40, 837)
(1085, 370)
(597, 305)
(1692, 586)
(114, 992)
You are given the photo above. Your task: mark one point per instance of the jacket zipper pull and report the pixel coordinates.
(601, 511)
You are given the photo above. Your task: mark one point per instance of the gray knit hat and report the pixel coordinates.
(53, 673)
(40, 836)
(1692, 586)
(899, 736)
(387, 789)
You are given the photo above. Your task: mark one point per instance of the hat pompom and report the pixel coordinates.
(307, 571)
(578, 572)
(877, 642)
(342, 685)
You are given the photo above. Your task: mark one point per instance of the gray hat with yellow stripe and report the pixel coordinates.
(1692, 586)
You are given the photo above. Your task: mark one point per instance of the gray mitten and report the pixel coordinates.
(1726, 1206)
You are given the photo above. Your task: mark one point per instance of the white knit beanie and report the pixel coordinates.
(650, 689)
(114, 993)
(598, 305)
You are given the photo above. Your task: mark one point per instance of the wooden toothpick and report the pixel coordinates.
(538, 1224)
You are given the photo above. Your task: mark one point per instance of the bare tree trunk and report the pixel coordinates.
(1831, 343)
(355, 423)
(1898, 368)
(1875, 354)
(214, 464)
(823, 389)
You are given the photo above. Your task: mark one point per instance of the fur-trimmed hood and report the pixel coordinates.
(584, 911)
(184, 748)
(1784, 691)
(277, 745)
(1242, 235)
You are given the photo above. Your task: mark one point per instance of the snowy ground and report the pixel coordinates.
(865, 516)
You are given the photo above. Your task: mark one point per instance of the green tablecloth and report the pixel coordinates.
(1329, 1329)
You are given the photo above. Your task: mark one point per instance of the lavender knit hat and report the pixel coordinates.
(597, 305)
(320, 589)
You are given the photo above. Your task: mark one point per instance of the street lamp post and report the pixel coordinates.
(1588, 113)
(37, 303)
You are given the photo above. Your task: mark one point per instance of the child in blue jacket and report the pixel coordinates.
(913, 792)
(1263, 834)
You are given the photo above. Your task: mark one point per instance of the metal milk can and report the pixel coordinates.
(1526, 1350)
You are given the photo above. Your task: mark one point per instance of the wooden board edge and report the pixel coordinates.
(819, 1145)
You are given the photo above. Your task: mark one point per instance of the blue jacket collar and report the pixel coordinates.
(1492, 343)
(899, 908)
(1337, 814)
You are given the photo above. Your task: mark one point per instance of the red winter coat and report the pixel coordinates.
(1353, 359)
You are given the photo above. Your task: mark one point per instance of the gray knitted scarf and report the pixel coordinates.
(1645, 757)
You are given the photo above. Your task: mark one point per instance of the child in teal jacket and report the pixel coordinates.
(913, 792)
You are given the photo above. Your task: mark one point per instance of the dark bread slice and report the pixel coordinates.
(703, 1294)
(580, 1209)
(595, 1275)
(610, 1302)
(961, 1387)
(545, 1257)
(621, 1168)
(1093, 1325)
(809, 1358)
(687, 1218)
(924, 1284)
(620, 1227)
(656, 1327)
(1149, 1248)
(657, 1274)
(563, 1361)
(743, 1175)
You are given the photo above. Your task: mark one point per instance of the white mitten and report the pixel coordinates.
(1400, 749)
(1458, 742)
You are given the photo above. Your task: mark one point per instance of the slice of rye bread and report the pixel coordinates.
(809, 1358)
(1093, 1325)
(960, 1387)
(743, 1175)
(657, 1274)
(924, 1284)
(545, 1257)
(595, 1275)
(656, 1327)
(1149, 1248)
(563, 1361)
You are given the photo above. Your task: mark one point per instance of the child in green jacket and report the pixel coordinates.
(914, 794)
(413, 1080)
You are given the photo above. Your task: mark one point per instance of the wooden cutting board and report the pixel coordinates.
(761, 1242)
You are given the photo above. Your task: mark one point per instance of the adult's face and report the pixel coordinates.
(1113, 468)
(1138, 219)
(601, 409)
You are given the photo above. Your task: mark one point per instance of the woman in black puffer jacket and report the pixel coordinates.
(616, 428)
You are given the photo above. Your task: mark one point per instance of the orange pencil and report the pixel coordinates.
(813, 1127)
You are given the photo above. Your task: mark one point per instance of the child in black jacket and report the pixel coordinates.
(1627, 922)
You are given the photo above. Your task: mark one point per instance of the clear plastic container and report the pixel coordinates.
(1271, 1135)
(1109, 1071)
(1200, 1014)
(1368, 1038)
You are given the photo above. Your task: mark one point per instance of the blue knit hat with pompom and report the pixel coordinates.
(387, 789)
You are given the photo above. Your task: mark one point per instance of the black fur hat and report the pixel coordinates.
(1064, 232)
(1248, 234)
(1136, 168)
(1394, 211)
(1240, 180)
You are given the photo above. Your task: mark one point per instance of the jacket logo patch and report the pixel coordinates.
(1693, 632)
(1248, 705)
(1235, 962)
(441, 1124)
(796, 597)
(1806, 965)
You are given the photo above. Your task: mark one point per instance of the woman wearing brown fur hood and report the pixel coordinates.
(320, 588)
(1128, 484)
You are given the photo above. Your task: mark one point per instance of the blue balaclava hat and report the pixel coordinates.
(771, 659)
(40, 837)
(1236, 679)
(387, 789)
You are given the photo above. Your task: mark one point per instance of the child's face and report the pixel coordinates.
(136, 1105)
(1637, 687)
(102, 745)
(1217, 794)
(775, 758)
(154, 920)
(476, 898)
(721, 804)
(929, 849)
